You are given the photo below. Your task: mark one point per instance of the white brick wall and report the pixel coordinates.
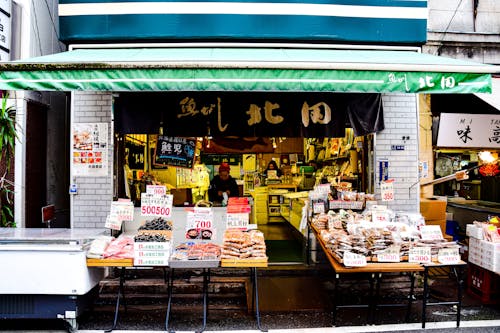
(400, 115)
(91, 205)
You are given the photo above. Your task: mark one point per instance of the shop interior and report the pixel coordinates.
(277, 197)
(483, 182)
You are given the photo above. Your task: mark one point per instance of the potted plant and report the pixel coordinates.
(8, 135)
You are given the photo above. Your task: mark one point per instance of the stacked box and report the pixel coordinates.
(485, 254)
(151, 253)
(434, 211)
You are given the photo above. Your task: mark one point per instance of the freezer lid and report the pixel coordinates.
(54, 235)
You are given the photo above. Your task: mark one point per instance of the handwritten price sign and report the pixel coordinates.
(156, 205)
(449, 256)
(354, 260)
(431, 232)
(122, 211)
(420, 254)
(391, 254)
(387, 190)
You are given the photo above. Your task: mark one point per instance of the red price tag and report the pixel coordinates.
(387, 190)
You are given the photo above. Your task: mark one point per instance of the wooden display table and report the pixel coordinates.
(373, 271)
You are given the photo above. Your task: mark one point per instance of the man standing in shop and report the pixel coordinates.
(222, 185)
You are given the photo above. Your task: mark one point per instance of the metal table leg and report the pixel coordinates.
(118, 297)
(371, 298)
(425, 295)
(458, 275)
(206, 278)
(335, 303)
(256, 295)
(410, 299)
(374, 298)
(169, 303)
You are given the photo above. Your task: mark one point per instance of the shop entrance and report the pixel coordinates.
(278, 194)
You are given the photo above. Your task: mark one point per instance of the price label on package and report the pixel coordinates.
(387, 190)
(420, 255)
(449, 256)
(156, 205)
(391, 254)
(354, 260)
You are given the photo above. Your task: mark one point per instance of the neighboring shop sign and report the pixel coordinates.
(174, 151)
(135, 155)
(256, 114)
(89, 149)
(469, 130)
(5, 29)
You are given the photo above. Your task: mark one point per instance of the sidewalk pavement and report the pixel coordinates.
(473, 326)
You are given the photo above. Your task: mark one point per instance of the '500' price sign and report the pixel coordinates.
(156, 205)
(387, 190)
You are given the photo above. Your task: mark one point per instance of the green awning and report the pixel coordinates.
(246, 69)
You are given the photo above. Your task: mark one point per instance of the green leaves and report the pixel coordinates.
(8, 136)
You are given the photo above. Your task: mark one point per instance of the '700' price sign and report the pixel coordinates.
(156, 205)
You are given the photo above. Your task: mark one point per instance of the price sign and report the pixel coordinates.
(318, 207)
(420, 254)
(387, 190)
(431, 232)
(449, 256)
(391, 254)
(113, 223)
(354, 260)
(156, 189)
(156, 205)
(323, 189)
(380, 216)
(237, 220)
(200, 224)
(122, 211)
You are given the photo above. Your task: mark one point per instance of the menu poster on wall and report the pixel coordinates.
(175, 151)
(89, 149)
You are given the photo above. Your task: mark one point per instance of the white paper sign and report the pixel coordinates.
(122, 210)
(387, 190)
(113, 223)
(449, 256)
(391, 254)
(431, 232)
(237, 220)
(156, 189)
(156, 205)
(420, 255)
(318, 207)
(200, 224)
(469, 130)
(354, 260)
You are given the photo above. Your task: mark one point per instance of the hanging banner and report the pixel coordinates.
(469, 130)
(255, 114)
(174, 151)
(89, 146)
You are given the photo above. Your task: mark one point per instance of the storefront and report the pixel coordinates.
(127, 98)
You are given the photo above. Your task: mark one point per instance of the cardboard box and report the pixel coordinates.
(440, 223)
(433, 209)
(182, 196)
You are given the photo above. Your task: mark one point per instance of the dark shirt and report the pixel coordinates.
(217, 184)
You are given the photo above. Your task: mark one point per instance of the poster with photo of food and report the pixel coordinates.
(89, 149)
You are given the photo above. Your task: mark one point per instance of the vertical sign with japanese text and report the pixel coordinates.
(89, 149)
